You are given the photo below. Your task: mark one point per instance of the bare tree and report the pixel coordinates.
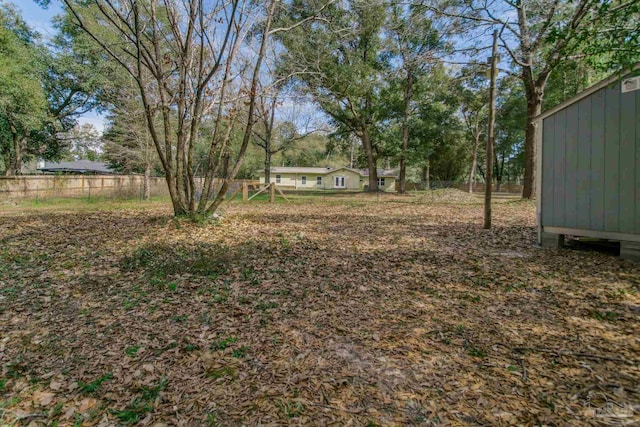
(189, 49)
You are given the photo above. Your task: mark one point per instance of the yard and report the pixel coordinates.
(362, 311)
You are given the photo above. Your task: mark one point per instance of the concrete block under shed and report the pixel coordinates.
(551, 240)
(630, 251)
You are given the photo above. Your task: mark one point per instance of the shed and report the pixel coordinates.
(588, 168)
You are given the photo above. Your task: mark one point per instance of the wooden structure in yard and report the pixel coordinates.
(272, 192)
(588, 170)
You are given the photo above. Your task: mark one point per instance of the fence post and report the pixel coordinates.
(245, 191)
(272, 192)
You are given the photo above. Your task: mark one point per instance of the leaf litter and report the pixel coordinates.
(386, 313)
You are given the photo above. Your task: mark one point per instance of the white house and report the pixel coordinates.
(328, 178)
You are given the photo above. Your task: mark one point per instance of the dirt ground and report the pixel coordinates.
(340, 312)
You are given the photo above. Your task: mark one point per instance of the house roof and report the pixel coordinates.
(323, 171)
(596, 87)
(78, 166)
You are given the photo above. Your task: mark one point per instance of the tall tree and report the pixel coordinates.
(437, 144)
(337, 60)
(23, 104)
(474, 99)
(413, 46)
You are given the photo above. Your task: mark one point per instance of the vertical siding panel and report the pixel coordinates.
(571, 166)
(612, 159)
(547, 170)
(628, 126)
(583, 175)
(559, 181)
(597, 161)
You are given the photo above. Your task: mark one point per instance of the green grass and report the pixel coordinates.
(93, 386)
(221, 372)
(162, 261)
(240, 352)
(141, 405)
(608, 316)
(132, 351)
(476, 352)
(223, 343)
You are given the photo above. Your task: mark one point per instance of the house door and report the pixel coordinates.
(338, 181)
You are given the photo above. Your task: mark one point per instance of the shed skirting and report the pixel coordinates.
(593, 233)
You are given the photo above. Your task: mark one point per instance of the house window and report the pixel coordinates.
(278, 179)
(318, 180)
(380, 182)
(303, 179)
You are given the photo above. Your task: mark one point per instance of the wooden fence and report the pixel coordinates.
(52, 186)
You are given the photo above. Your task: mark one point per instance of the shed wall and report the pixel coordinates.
(591, 163)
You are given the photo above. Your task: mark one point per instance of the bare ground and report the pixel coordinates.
(352, 312)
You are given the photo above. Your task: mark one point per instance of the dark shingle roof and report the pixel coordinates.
(78, 166)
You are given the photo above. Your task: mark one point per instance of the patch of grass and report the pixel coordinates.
(9, 403)
(211, 419)
(619, 294)
(222, 344)
(56, 410)
(132, 351)
(472, 298)
(225, 371)
(248, 273)
(205, 260)
(546, 401)
(130, 303)
(93, 386)
(476, 352)
(240, 352)
(512, 287)
(141, 405)
(608, 316)
(262, 306)
(191, 347)
(167, 347)
(180, 319)
(292, 409)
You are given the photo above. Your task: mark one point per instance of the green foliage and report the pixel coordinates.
(348, 90)
(23, 103)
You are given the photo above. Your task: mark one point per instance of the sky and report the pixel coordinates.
(41, 20)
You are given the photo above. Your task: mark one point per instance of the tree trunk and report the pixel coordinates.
(405, 134)
(425, 175)
(534, 108)
(15, 159)
(267, 165)
(267, 143)
(371, 160)
(474, 161)
(146, 189)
